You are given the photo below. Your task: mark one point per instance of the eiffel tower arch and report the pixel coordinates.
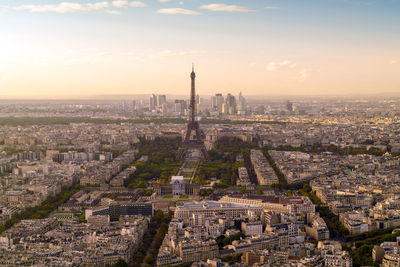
(196, 143)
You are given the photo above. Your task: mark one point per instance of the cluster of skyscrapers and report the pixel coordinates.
(228, 105)
(157, 101)
(219, 105)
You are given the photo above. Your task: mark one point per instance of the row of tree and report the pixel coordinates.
(362, 248)
(147, 254)
(278, 172)
(318, 148)
(336, 229)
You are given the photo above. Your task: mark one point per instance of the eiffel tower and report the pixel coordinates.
(193, 126)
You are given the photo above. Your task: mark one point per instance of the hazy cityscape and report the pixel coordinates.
(200, 133)
(283, 182)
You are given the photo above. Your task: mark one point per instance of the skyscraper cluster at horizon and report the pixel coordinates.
(158, 103)
(228, 105)
(218, 105)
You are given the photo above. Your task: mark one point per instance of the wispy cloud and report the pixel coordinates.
(394, 61)
(181, 11)
(119, 3)
(65, 7)
(273, 66)
(137, 4)
(226, 8)
(164, 1)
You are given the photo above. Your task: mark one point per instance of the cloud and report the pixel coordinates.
(65, 7)
(271, 7)
(137, 4)
(273, 66)
(119, 3)
(228, 8)
(394, 61)
(164, 1)
(177, 11)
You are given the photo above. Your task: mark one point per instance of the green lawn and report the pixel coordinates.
(187, 174)
(190, 164)
(221, 162)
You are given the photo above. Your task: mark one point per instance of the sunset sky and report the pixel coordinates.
(64, 48)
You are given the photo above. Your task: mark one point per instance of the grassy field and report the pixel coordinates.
(187, 174)
(190, 164)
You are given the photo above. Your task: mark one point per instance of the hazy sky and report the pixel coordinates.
(55, 48)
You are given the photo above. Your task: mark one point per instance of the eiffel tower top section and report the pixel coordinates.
(193, 113)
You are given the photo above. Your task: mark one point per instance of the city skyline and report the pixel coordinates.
(202, 133)
(200, 182)
(62, 49)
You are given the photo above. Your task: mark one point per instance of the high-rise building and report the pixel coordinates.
(180, 106)
(289, 106)
(220, 102)
(230, 104)
(164, 109)
(224, 109)
(153, 102)
(214, 103)
(162, 99)
(241, 105)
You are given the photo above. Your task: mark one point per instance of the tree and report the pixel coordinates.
(289, 193)
(120, 263)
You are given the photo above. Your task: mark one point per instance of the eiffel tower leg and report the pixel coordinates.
(180, 153)
(198, 134)
(187, 136)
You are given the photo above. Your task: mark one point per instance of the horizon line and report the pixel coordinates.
(116, 96)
